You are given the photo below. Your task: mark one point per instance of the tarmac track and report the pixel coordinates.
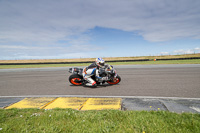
(137, 80)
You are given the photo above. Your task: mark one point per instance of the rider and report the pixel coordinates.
(93, 69)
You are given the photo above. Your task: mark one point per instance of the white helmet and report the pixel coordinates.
(100, 62)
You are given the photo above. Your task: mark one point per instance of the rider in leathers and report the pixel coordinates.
(93, 69)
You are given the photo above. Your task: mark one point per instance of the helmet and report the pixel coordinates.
(100, 62)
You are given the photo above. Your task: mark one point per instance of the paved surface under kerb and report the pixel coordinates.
(178, 105)
(78, 103)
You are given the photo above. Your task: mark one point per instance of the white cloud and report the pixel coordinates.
(164, 53)
(76, 50)
(182, 51)
(38, 24)
(197, 49)
(13, 47)
(187, 51)
(49, 21)
(179, 51)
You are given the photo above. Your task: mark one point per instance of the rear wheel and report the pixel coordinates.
(76, 80)
(115, 81)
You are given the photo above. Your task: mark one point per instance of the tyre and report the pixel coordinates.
(76, 80)
(116, 81)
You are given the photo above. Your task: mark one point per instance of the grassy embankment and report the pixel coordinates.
(68, 120)
(193, 61)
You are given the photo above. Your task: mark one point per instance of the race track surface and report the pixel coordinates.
(137, 80)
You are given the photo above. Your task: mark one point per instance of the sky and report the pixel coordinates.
(64, 29)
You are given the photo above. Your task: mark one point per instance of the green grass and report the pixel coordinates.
(68, 120)
(42, 65)
(193, 61)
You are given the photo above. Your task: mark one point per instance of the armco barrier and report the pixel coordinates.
(70, 62)
(180, 58)
(92, 61)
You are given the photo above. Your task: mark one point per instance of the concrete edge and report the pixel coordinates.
(148, 97)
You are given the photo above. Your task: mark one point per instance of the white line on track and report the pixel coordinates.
(195, 108)
(148, 97)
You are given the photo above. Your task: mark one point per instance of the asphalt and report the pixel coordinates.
(156, 104)
(150, 80)
(174, 88)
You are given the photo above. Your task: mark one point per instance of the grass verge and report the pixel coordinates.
(42, 65)
(193, 61)
(68, 120)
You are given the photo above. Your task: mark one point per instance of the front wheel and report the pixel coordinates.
(76, 80)
(115, 81)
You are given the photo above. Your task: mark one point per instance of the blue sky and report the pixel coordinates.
(50, 29)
